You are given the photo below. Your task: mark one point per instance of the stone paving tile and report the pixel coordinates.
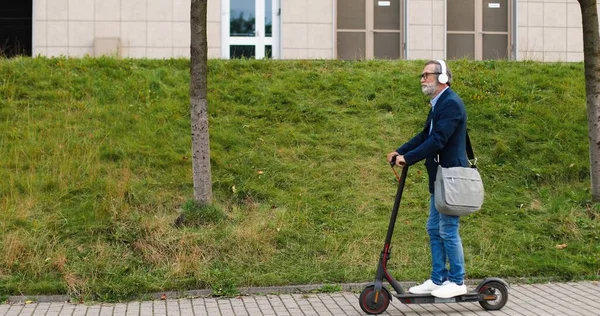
(552, 299)
(93, 311)
(579, 295)
(132, 309)
(560, 303)
(67, 309)
(14, 310)
(351, 306)
(27, 310)
(199, 307)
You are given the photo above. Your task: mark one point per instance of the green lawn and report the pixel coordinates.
(95, 167)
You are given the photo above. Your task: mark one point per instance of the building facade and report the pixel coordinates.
(542, 30)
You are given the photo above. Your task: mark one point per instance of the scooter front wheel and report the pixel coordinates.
(496, 289)
(374, 304)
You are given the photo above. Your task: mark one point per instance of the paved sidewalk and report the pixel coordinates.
(580, 298)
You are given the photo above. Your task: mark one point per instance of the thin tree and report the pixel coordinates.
(591, 57)
(199, 104)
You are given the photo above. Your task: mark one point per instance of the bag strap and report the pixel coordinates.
(470, 153)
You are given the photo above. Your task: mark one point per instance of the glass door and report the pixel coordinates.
(250, 29)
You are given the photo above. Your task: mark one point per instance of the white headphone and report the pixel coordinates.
(443, 77)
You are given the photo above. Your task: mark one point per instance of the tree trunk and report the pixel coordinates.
(591, 55)
(199, 104)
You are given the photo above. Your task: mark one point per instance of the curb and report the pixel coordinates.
(244, 291)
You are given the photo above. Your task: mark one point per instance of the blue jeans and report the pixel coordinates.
(446, 245)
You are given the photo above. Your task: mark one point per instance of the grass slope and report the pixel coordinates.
(96, 167)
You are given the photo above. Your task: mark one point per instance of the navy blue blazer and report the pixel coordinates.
(448, 137)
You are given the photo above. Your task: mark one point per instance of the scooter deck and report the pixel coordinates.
(428, 299)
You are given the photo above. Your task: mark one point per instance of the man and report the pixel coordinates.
(442, 141)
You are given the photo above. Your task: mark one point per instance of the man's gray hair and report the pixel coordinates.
(438, 68)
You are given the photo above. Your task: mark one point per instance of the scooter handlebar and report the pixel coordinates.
(393, 162)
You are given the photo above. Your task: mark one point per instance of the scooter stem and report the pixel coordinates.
(385, 253)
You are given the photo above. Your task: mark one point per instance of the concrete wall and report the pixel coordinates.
(142, 28)
(426, 29)
(547, 30)
(307, 29)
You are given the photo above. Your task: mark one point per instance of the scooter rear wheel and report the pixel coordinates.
(367, 300)
(494, 288)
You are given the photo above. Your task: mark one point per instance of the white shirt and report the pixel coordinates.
(433, 102)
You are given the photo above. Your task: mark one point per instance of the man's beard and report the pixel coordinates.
(429, 88)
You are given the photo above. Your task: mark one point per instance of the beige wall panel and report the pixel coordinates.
(159, 52)
(535, 39)
(181, 52)
(81, 51)
(133, 52)
(81, 10)
(40, 9)
(555, 14)
(419, 38)
(294, 36)
(40, 33)
(107, 29)
(320, 11)
(294, 11)
(160, 10)
(573, 15)
(214, 52)
(181, 10)
(181, 34)
(57, 10)
(107, 10)
(160, 34)
(419, 12)
(214, 10)
(319, 54)
(58, 33)
(58, 51)
(535, 14)
(420, 54)
(555, 56)
(437, 54)
(532, 55)
(292, 53)
(522, 40)
(319, 36)
(133, 34)
(574, 57)
(40, 51)
(574, 40)
(133, 10)
(214, 35)
(438, 35)
(522, 13)
(438, 14)
(81, 34)
(555, 39)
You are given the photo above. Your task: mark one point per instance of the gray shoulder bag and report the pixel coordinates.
(459, 190)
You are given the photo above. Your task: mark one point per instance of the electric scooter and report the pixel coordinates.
(491, 293)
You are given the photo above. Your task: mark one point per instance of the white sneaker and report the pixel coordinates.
(424, 288)
(449, 289)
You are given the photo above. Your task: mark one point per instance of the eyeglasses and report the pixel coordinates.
(426, 74)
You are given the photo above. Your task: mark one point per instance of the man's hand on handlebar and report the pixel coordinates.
(396, 159)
